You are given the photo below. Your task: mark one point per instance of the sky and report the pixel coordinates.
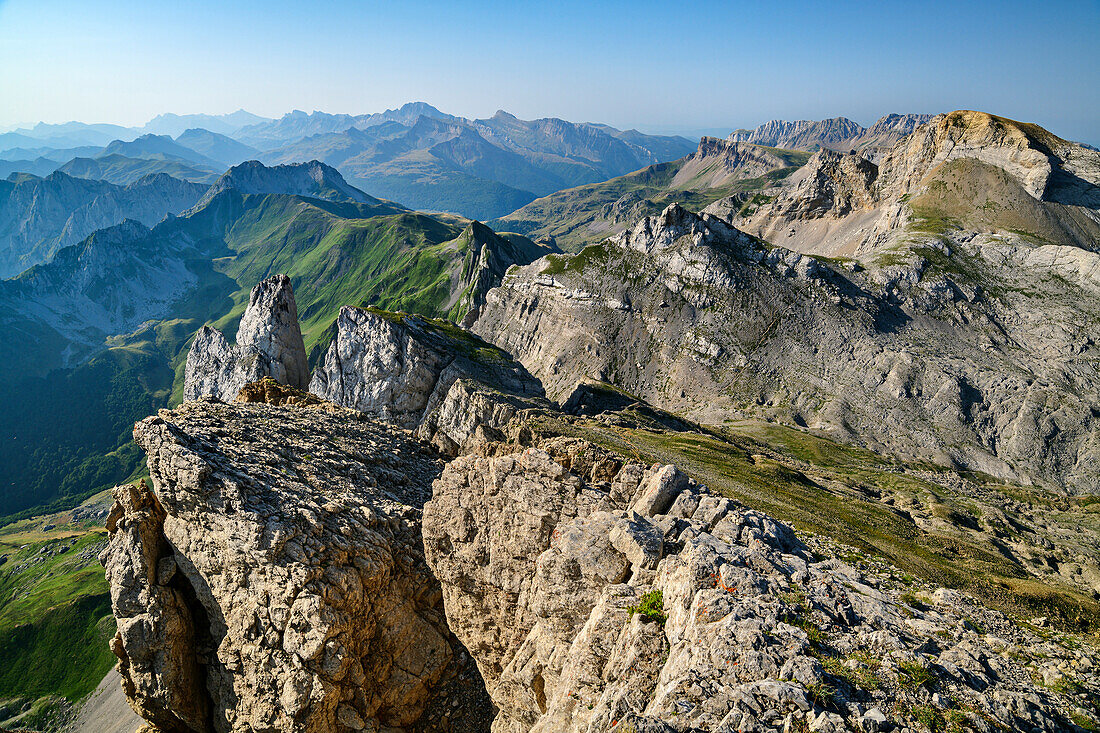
(655, 66)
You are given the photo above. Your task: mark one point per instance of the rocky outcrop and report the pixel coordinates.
(838, 133)
(720, 162)
(39, 216)
(486, 258)
(827, 206)
(599, 594)
(423, 375)
(313, 179)
(830, 184)
(698, 318)
(1039, 161)
(269, 344)
(885, 133)
(273, 578)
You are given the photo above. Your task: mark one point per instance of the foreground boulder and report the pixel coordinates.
(269, 344)
(273, 577)
(597, 594)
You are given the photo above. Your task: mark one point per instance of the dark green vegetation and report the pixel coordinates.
(838, 491)
(66, 433)
(55, 614)
(579, 216)
(651, 607)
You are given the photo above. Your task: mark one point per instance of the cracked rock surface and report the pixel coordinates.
(269, 344)
(273, 577)
(597, 594)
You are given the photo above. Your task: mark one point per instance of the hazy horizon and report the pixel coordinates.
(712, 67)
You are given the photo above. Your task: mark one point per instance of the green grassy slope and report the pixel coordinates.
(67, 434)
(55, 615)
(855, 496)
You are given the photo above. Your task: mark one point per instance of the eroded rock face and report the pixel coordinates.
(422, 375)
(273, 578)
(696, 317)
(830, 184)
(598, 594)
(1030, 154)
(269, 344)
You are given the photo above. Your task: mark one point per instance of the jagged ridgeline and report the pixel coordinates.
(96, 337)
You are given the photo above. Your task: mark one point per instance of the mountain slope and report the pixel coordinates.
(113, 315)
(960, 171)
(297, 125)
(38, 216)
(718, 169)
(313, 179)
(577, 153)
(158, 147)
(174, 125)
(914, 360)
(479, 168)
(220, 148)
(122, 170)
(974, 236)
(838, 133)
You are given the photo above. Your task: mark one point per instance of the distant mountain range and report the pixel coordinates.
(718, 169)
(481, 168)
(98, 333)
(836, 133)
(39, 216)
(414, 154)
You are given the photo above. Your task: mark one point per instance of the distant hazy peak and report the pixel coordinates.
(313, 179)
(800, 134)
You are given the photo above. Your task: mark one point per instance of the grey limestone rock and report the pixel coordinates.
(585, 615)
(424, 375)
(273, 577)
(269, 344)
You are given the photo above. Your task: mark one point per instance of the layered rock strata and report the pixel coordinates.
(269, 344)
(697, 317)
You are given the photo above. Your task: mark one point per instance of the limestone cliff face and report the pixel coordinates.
(698, 318)
(599, 594)
(971, 169)
(830, 184)
(720, 162)
(313, 179)
(837, 133)
(422, 375)
(1034, 157)
(273, 577)
(269, 344)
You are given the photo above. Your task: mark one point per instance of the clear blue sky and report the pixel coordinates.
(627, 63)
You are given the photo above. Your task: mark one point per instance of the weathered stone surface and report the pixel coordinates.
(430, 376)
(830, 184)
(273, 579)
(269, 344)
(543, 568)
(696, 317)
